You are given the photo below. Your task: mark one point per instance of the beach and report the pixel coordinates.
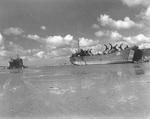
(114, 91)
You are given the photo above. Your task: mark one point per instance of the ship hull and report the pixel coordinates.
(21, 67)
(124, 56)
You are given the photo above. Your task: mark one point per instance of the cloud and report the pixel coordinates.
(111, 34)
(40, 54)
(138, 39)
(56, 46)
(134, 40)
(95, 26)
(56, 41)
(105, 20)
(43, 28)
(144, 45)
(29, 58)
(59, 41)
(61, 52)
(100, 33)
(11, 49)
(145, 15)
(13, 31)
(53, 41)
(136, 2)
(84, 42)
(1, 39)
(97, 48)
(32, 55)
(105, 33)
(141, 38)
(34, 37)
(14, 48)
(115, 35)
(4, 53)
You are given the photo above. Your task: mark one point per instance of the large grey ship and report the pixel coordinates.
(112, 55)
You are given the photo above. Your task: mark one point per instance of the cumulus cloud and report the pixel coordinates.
(105, 20)
(142, 38)
(40, 54)
(134, 40)
(43, 28)
(136, 2)
(61, 52)
(84, 42)
(1, 39)
(56, 46)
(54, 41)
(114, 35)
(95, 26)
(14, 47)
(34, 37)
(105, 33)
(29, 58)
(100, 33)
(145, 15)
(59, 41)
(32, 55)
(10, 49)
(13, 31)
(144, 45)
(138, 39)
(97, 49)
(5, 54)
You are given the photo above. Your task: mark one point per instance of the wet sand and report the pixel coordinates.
(70, 92)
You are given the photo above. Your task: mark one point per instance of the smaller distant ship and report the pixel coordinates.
(15, 63)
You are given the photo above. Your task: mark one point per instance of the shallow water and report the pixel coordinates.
(116, 91)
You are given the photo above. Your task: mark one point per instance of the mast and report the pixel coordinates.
(78, 44)
(17, 55)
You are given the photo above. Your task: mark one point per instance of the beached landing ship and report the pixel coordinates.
(16, 63)
(112, 55)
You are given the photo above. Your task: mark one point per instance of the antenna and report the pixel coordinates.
(17, 55)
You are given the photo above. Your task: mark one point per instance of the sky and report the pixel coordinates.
(47, 32)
